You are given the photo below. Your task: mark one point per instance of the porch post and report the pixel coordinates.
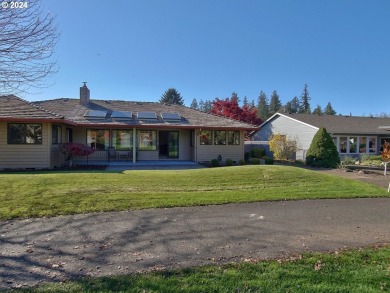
(134, 145)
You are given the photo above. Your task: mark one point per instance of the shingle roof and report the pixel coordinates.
(344, 124)
(74, 112)
(17, 108)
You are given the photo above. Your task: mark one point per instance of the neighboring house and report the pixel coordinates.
(31, 132)
(353, 136)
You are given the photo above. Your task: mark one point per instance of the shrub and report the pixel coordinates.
(229, 162)
(247, 156)
(214, 163)
(242, 162)
(322, 151)
(257, 153)
(256, 161)
(348, 160)
(269, 161)
(282, 148)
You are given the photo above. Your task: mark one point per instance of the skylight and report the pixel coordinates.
(125, 115)
(171, 116)
(147, 115)
(95, 114)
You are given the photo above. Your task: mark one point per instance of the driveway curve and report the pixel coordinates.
(101, 244)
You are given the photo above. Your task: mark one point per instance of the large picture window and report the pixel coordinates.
(21, 133)
(147, 140)
(56, 134)
(234, 137)
(206, 137)
(220, 137)
(99, 139)
(122, 139)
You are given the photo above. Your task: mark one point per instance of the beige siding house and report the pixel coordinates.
(32, 134)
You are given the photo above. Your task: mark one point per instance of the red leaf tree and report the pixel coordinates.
(76, 149)
(229, 108)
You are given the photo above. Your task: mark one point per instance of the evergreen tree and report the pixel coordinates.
(172, 96)
(304, 106)
(262, 106)
(201, 105)
(318, 110)
(208, 105)
(322, 151)
(274, 104)
(292, 106)
(245, 101)
(194, 104)
(329, 109)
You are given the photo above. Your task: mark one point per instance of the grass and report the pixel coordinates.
(366, 270)
(38, 194)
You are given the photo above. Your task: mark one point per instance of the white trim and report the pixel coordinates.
(281, 114)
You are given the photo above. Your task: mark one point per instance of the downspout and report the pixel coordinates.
(134, 145)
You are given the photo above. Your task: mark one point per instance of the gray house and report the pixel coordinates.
(352, 136)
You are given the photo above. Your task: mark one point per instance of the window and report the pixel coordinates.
(99, 139)
(147, 140)
(69, 135)
(206, 137)
(363, 144)
(122, 139)
(220, 137)
(343, 144)
(383, 142)
(192, 138)
(19, 133)
(352, 144)
(234, 137)
(56, 134)
(372, 144)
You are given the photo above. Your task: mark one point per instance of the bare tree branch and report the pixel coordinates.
(27, 43)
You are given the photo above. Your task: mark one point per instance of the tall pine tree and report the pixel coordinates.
(304, 106)
(274, 104)
(262, 106)
(194, 104)
(292, 106)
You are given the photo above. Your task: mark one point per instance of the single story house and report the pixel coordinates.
(352, 135)
(31, 133)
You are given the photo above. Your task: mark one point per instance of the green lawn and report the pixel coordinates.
(353, 271)
(37, 194)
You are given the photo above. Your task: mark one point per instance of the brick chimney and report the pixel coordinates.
(84, 94)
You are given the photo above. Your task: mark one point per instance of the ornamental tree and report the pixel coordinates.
(76, 149)
(229, 108)
(386, 155)
(322, 151)
(282, 148)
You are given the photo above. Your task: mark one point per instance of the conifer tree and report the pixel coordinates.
(322, 151)
(274, 104)
(194, 104)
(172, 96)
(318, 110)
(262, 106)
(305, 101)
(329, 109)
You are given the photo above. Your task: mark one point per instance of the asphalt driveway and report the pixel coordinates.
(54, 249)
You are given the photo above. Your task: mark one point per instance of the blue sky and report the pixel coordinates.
(135, 50)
